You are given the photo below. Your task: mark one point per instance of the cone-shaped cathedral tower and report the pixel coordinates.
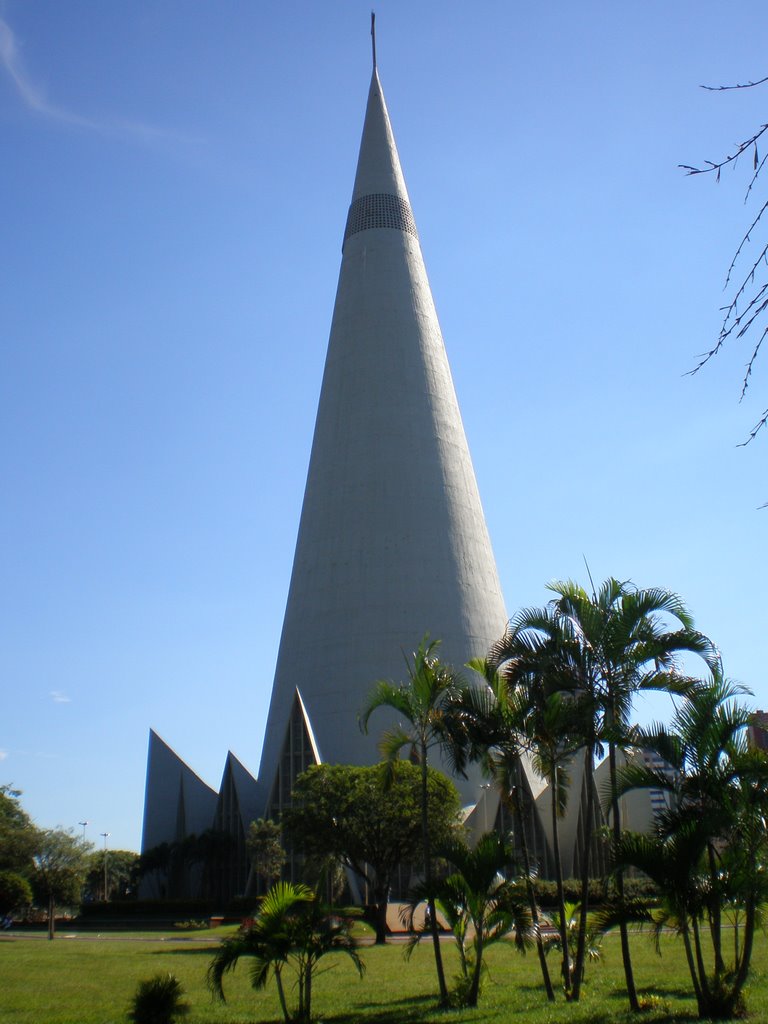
(392, 542)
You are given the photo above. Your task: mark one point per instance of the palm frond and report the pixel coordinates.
(385, 694)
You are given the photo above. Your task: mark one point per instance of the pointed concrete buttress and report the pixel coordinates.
(392, 542)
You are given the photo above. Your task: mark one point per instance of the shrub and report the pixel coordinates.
(634, 888)
(158, 1001)
(15, 892)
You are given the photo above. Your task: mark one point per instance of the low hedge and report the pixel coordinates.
(178, 910)
(634, 888)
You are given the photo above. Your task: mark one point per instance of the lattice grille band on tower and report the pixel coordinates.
(379, 210)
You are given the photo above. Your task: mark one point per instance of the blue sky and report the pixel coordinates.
(175, 182)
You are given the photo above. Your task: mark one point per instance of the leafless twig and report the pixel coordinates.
(750, 300)
(740, 85)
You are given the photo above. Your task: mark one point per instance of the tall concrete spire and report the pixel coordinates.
(392, 542)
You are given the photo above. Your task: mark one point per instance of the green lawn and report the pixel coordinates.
(71, 981)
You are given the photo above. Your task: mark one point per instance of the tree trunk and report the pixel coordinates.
(308, 992)
(566, 965)
(428, 880)
(700, 967)
(715, 922)
(692, 966)
(474, 990)
(51, 917)
(750, 921)
(581, 946)
(380, 922)
(736, 944)
(531, 893)
(626, 956)
(281, 994)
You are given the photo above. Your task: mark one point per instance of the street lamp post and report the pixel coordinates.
(83, 823)
(105, 836)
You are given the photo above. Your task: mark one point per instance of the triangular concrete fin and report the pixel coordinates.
(298, 752)
(175, 797)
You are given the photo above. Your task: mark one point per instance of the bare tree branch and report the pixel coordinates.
(742, 85)
(749, 302)
(753, 433)
(732, 158)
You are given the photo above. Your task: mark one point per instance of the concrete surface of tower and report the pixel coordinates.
(392, 543)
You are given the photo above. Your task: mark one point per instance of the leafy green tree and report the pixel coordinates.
(60, 867)
(265, 848)
(603, 647)
(708, 850)
(480, 904)
(18, 836)
(15, 892)
(421, 702)
(369, 821)
(122, 874)
(293, 931)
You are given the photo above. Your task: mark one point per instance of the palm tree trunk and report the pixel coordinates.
(474, 990)
(581, 946)
(281, 995)
(626, 956)
(691, 964)
(736, 943)
(308, 993)
(531, 892)
(702, 970)
(428, 881)
(715, 918)
(300, 1016)
(566, 966)
(750, 921)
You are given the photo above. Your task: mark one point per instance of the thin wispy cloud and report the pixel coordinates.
(34, 98)
(60, 698)
(3, 755)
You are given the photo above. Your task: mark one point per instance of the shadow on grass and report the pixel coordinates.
(653, 992)
(190, 951)
(406, 1011)
(536, 986)
(666, 992)
(654, 1015)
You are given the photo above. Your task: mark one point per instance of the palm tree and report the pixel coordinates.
(489, 728)
(708, 848)
(603, 648)
(420, 702)
(292, 929)
(549, 725)
(480, 905)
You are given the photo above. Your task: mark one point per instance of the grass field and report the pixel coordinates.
(91, 981)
